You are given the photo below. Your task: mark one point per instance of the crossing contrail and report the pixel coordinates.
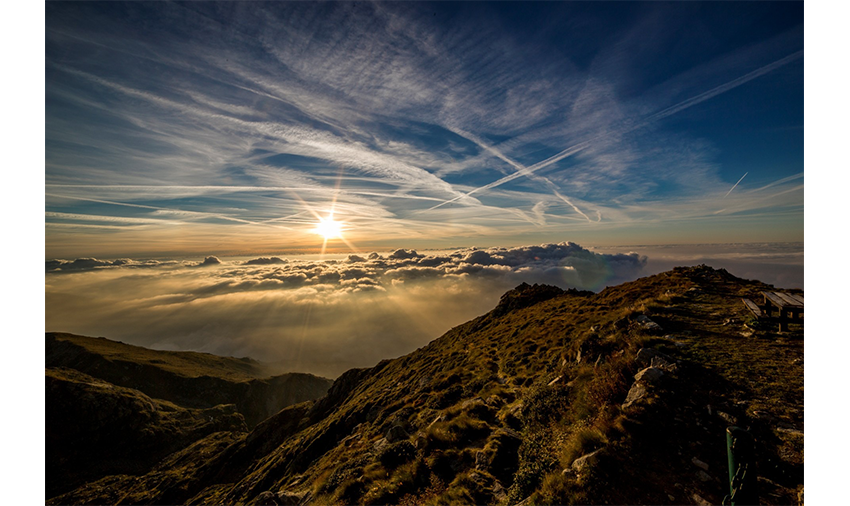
(736, 184)
(702, 97)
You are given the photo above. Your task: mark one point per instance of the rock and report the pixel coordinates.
(440, 418)
(699, 500)
(649, 375)
(482, 462)
(637, 392)
(645, 355)
(594, 328)
(703, 476)
(791, 431)
(700, 464)
(585, 460)
(380, 444)
(646, 323)
(288, 499)
(731, 420)
(555, 381)
(421, 440)
(397, 433)
(266, 498)
(662, 363)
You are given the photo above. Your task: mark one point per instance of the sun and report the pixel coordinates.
(328, 228)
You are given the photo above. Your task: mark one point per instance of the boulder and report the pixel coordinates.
(637, 392)
(288, 499)
(645, 355)
(582, 462)
(646, 323)
(700, 464)
(266, 499)
(396, 433)
(649, 375)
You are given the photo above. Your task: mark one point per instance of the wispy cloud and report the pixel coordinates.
(256, 113)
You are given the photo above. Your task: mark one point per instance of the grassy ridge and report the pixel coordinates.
(526, 404)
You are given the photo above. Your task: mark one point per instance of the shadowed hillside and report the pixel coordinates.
(113, 408)
(554, 397)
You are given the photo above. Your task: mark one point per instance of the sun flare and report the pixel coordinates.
(328, 228)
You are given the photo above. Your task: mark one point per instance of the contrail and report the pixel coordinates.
(736, 184)
(702, 97)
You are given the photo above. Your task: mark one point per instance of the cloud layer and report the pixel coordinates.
(318, 316)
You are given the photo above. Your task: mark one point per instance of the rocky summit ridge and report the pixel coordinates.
(554, 397)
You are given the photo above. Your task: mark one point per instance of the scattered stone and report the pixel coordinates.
(594, 328)
(671, 497)
(764, 415)
(396, 433)
(646, 323)
(700, 464)
(578, 357)
(585, 460)
(555, 381)
(420, 441)
(645, 355)
(288, 499)
(649, 375)
(791, 431)
(663, 363)
(699, 500)
(637, 392)
(731, 420)
(703, 476)
(266, 499)
(380, 444)
(481, 461)
(708, 407)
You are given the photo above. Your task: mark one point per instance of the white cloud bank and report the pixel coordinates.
(309, 315)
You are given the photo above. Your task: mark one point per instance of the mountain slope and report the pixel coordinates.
(189, 379)
(536, 402)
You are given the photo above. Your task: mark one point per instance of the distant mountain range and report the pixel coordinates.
(554, 397)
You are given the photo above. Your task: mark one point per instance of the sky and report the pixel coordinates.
(135, 98)
(174, 130)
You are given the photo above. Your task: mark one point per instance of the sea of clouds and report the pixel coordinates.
(319, 316)
(328, 315)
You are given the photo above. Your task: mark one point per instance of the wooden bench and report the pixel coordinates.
(753, 308)
(788, 305)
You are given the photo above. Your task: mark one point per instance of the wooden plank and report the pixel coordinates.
(797, 297)
(773, 299)
(790, 301)
(752, 307)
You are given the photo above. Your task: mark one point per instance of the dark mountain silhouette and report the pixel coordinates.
(555, 397)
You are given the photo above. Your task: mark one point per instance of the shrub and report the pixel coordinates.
(543, 404)
(396, 454)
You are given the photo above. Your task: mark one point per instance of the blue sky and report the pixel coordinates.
(231, 128)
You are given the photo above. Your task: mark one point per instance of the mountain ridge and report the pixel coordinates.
(546, 399)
